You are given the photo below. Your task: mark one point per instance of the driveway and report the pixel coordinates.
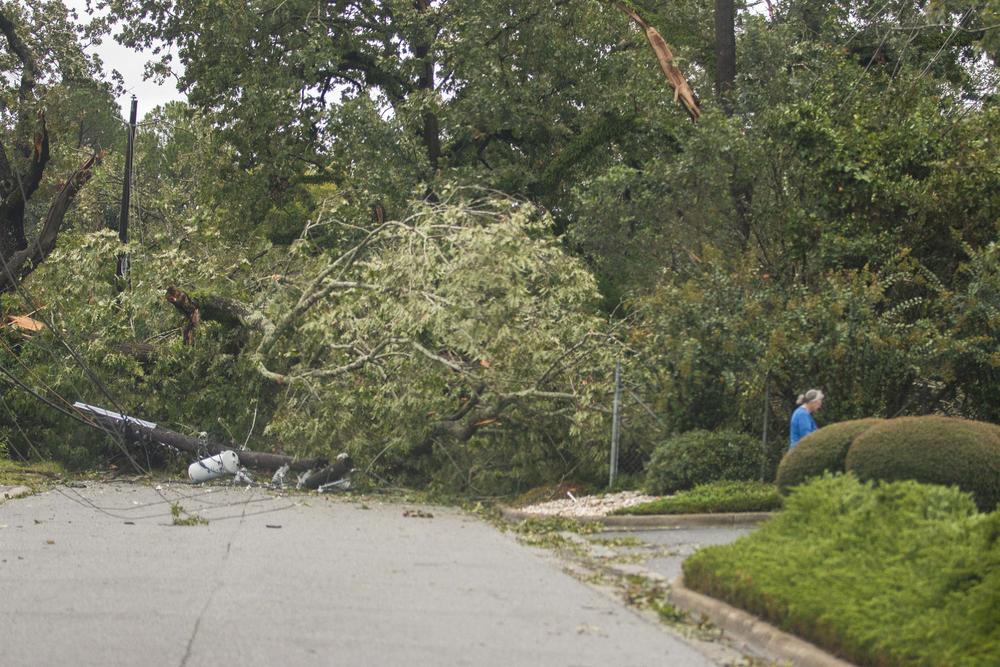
(101, 576)
(663, 551)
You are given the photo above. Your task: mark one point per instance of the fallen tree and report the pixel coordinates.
(458, 343)
(460, 320)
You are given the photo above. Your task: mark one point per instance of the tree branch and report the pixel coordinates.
(29, 68)
(436, 357)
(23, 262)
(340, 370)
(565, 355)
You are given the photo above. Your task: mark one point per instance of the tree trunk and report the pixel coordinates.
(12, 238)
(16, 188)
(741, 184)
(431, 132)
(725, 51)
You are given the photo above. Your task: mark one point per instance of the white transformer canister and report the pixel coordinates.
(223, 463)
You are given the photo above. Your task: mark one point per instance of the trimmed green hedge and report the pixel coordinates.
(821, 451)
(937, 450)
(899, 574)
(713, 498)
(698, 457)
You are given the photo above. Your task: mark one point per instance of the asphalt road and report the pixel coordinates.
(101, 576)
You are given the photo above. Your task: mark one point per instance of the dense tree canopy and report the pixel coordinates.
(425, 231)
(494, 92)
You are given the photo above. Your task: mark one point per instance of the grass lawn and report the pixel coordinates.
(35, 476)
(899, 574)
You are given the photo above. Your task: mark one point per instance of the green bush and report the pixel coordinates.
(821, 451)
(936, 450)
(902, 574)
(698, 457)
(715, 497)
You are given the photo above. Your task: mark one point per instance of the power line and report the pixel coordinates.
(945, 43)
(115, 513)
(17, 424)
(26, 295)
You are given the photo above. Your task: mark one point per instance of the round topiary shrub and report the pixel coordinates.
(820, 451)
(935, 450)
(698, 457)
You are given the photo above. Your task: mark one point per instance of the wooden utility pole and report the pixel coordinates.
(123, 257)
(136, 430)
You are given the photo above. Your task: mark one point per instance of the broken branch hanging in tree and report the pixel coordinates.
(665, 57)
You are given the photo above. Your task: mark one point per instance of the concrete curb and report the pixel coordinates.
(749, 629)
(10, 492)
(664, 521)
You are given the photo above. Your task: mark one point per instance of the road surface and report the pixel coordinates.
(101, 576)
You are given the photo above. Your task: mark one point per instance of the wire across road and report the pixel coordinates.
(87, 580)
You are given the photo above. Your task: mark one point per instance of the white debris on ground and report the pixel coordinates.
(589, 505)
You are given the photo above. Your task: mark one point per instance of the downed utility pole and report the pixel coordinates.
(138, 430)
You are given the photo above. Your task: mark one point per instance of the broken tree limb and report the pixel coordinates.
(341, 467)
(188, 308)
(682, 91)
(227, 311)
(237, 318)
(137, 430)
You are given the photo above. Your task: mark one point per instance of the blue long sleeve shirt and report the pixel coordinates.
(802, 425)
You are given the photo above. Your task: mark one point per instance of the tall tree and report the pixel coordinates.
(41, 55)
(494, 92)
(23, 163)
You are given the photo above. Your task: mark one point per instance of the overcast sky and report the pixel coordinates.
(130, 64)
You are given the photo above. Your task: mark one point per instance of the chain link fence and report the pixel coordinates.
(637, 428)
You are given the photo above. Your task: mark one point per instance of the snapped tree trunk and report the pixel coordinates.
(341, 467)
(18, 264)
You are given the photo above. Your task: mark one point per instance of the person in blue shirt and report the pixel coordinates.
(802, 423)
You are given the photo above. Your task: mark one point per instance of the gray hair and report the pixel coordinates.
(809, 397)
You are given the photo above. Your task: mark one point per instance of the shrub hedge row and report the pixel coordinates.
(937, 450)
(712, 498)
(821, 451)
(899, 574)
(698, 457)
